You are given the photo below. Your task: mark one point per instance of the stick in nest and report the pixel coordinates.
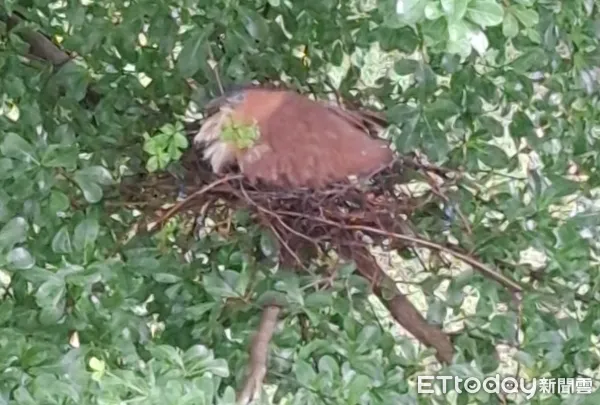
(506, 282)
(177, 207)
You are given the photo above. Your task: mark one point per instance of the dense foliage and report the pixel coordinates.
(95, 311)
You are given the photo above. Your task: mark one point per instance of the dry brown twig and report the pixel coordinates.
(257, 368)
(196, 194)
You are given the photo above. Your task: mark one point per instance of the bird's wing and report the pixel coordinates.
(303, 143)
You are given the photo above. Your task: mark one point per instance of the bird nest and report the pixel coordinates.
(373, 210)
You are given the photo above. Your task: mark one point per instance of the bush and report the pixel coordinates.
(95, 310)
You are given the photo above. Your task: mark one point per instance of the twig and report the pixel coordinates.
(426, 166)
(258, 355)
(40, 46)
(288, 248)
(215, 71)
(437, 191)
(399, 306)
(422, 242)
(519, 303)
(278, 218)
(194, 195)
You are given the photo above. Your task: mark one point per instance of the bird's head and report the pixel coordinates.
(231, 123)
(215, 133)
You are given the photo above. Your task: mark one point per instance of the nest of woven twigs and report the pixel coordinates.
(369, 211)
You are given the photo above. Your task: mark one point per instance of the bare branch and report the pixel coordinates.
(40, 46)
(257, 368)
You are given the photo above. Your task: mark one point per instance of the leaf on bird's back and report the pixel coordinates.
(243, 136)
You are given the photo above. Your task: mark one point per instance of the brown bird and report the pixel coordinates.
(299, 142)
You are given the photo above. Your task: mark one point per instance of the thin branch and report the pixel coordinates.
(40, 46)
(288, 248)
(215, 71)
(259, 350)
(161, 221)
(278, 218)
(422, 242)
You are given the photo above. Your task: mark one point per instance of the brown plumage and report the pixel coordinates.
(301, 142)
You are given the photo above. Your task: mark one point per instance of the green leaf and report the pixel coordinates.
(534, 59)
(6, 311)
(451, 63)
(492, 126)
(359, 385)
(561, 186)
(61, 156)
(180, 140)
(455, 9)
(222, 287)
(97, 365)
(368, 336)
(503, 325)
(401, 113)
(50, 296)
(304, 373)
(269, 245)
(525, 358)
(90, 179)
(166, 278)
(254, 23)
(510, 26)
(442, 109)
(337, 55)
(97, 174)
(16, 147)
(521, 125)
(193, 55)
(228, 397)
(86, 233)
(433, 11)
(61, 243)
(459, 38)
(4, 210)
(153, 164)
(218, 367)
(410, 11)
(485, 13)
(553, 360)
(328, 365)
(426, 80)
(13, 232)
(15, 87)
(20, 258)
(6, 168)
(58, 202)
(493, 156)
(74, 78)
(406, 66)
(318, 299)
(436, 312)
(526, 16)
